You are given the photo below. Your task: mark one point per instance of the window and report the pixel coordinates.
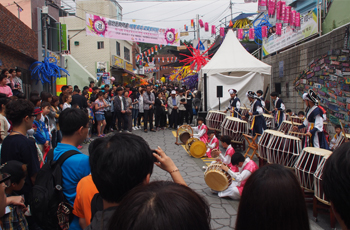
(126, 54)
(118, 48)
(100, 45)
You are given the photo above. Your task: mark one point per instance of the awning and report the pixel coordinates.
(117, 68)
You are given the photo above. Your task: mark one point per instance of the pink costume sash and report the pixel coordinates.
(250, 166)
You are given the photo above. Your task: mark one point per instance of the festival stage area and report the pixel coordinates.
(223, 211)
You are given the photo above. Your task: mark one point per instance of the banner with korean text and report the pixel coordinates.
(110, 28)
(309, 27)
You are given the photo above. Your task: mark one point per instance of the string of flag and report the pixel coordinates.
(206, 27)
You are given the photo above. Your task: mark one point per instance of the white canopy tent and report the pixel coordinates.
(233, 67)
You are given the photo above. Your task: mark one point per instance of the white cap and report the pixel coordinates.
(305, 97)
(173, 92)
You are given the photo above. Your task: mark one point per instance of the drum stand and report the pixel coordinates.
(319, 205)
(251, 145)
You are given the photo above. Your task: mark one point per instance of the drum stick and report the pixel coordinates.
(342, 128)
(303, 134)
(233, 111)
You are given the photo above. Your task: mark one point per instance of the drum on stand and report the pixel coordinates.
(195, 147)
(283, 150)
(285, 127)
(244, 111)
(319, 193)
(342, 140)
(270, 121)
(265, 141)
(214, 120)
(306, 165)
(184, 132)
(235, 128)
(216, 178)
(297, 119)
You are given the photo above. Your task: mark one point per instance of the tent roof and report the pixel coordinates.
(233, 57)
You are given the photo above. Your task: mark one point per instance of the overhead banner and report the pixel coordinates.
(110, 28)
(309, 27)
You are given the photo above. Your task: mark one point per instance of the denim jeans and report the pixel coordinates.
(135, 113)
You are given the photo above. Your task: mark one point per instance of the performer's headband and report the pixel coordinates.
(232, 91)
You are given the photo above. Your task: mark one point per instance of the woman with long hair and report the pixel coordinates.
(67, 99)
(272, 200)
(4, 88)
(54, 114)
(100, 105)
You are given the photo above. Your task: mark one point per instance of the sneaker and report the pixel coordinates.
(80, 147)
(204, 167)
(139, 127)
(133, 128)
(136, 128)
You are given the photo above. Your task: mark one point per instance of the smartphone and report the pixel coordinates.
(154, 158)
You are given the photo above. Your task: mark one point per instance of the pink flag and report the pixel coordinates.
(222, 31)
(272, 8)
(287, 15)
(240, 34)
(206, 26)
(292, 18)
(283, 10)
(251, 34)
(264, 31)
(200, 23)
(278, 11)
(297, 21)
(213, 29)
(262, 6)
(278, 29)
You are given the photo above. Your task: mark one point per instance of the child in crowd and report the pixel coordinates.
(14, 217)
(337, 137)
(301, 115)
(289, 113)
(41, 134)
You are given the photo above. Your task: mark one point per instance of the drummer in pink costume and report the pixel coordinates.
(226, 159)
(246, 168)
(212, 143)
(201, 130)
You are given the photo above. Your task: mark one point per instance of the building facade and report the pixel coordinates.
(98, 55)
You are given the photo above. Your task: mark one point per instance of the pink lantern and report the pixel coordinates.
(292, 18)
(283, 10)
(287, 15)
(222, 31)
(251, 34)
(264, 31)
(262, 6)
(271, 9)
(278, 29)
(297, 21)
(206, 26)
(200, 23)
(213, 29)
(240, 34)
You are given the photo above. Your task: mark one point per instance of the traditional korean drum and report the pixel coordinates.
(195, 147)
(235, 128)
(296, 119)
(306, 165)
(319, 193)
(283, 150)
(216, 178)
(270, 123)
(265, 141)
(285, 127)
(244, 111)
(215, 153)
(342, 140)
(214, 119)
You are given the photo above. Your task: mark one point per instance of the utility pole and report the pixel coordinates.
(231, 4)
(198, 29)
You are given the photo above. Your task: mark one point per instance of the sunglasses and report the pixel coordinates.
(6, 179)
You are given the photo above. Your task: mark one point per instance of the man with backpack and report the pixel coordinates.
(64, 168)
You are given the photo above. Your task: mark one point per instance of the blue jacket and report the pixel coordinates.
(42, 134)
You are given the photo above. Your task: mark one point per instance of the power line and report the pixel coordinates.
(143, 8)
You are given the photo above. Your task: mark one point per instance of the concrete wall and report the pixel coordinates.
(337, 16)
(78, 75)
(296, 60)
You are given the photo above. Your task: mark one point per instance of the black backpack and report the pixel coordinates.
(48, 206)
